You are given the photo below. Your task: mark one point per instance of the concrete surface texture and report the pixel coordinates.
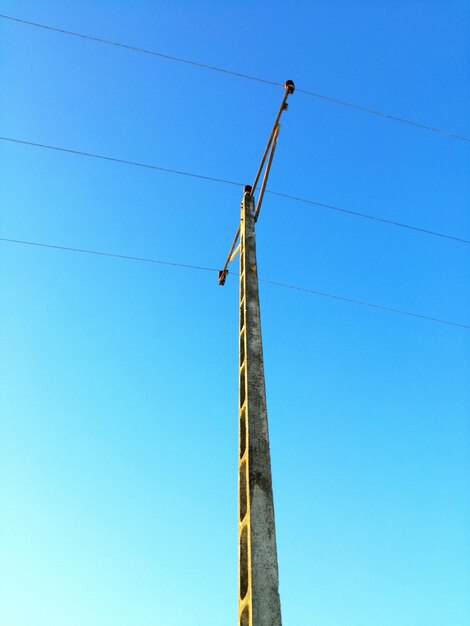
(259, 602)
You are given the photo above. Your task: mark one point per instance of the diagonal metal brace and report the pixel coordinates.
(290, 88)
(266, 172)
(268, 154)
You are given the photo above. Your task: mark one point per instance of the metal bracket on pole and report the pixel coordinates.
(234, 253)
(266, 172)
(223, 273)
(290, 88)
(269, 154)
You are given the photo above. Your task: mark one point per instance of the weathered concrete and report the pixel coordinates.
(259, 603)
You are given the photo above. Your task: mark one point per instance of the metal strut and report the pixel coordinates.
(269, 155)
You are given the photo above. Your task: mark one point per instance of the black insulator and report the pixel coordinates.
(289, 85)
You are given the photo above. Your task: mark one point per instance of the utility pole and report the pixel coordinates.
(258, 584)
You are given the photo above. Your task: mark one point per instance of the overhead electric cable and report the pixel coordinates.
(367, 216)
(364, 303)
(322, 294)
(389, 116)
(102, 157)
(124, 257)
(222, 70)
(224, 181)
(162, 55)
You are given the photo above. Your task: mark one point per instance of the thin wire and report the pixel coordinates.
(215, 68)
(364, 303)
(367, 216)
(267, 281)
(124, 257)
(238, 184)
(122, 161)
(395, 118)
(117, 44)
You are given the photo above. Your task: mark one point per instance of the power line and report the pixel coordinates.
(224, 181)
(322, 294)
(148, 166)
(364, 303)
(258, 79)
(367, 216)
(395, 118)
(124, 257)
(162, 55)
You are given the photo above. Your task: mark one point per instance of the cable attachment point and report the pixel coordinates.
(289, 85)
(222, 277)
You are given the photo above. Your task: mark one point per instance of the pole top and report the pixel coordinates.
(247, 189)
(289, 85)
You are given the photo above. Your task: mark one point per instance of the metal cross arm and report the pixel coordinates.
(266, 171)
(290, 88)
(269, 155)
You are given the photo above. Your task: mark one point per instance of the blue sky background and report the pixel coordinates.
(119, 417)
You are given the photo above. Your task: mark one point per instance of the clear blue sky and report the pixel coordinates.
(118, 449)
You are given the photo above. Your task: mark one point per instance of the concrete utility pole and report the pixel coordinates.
(259, 603)
(258, 584)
